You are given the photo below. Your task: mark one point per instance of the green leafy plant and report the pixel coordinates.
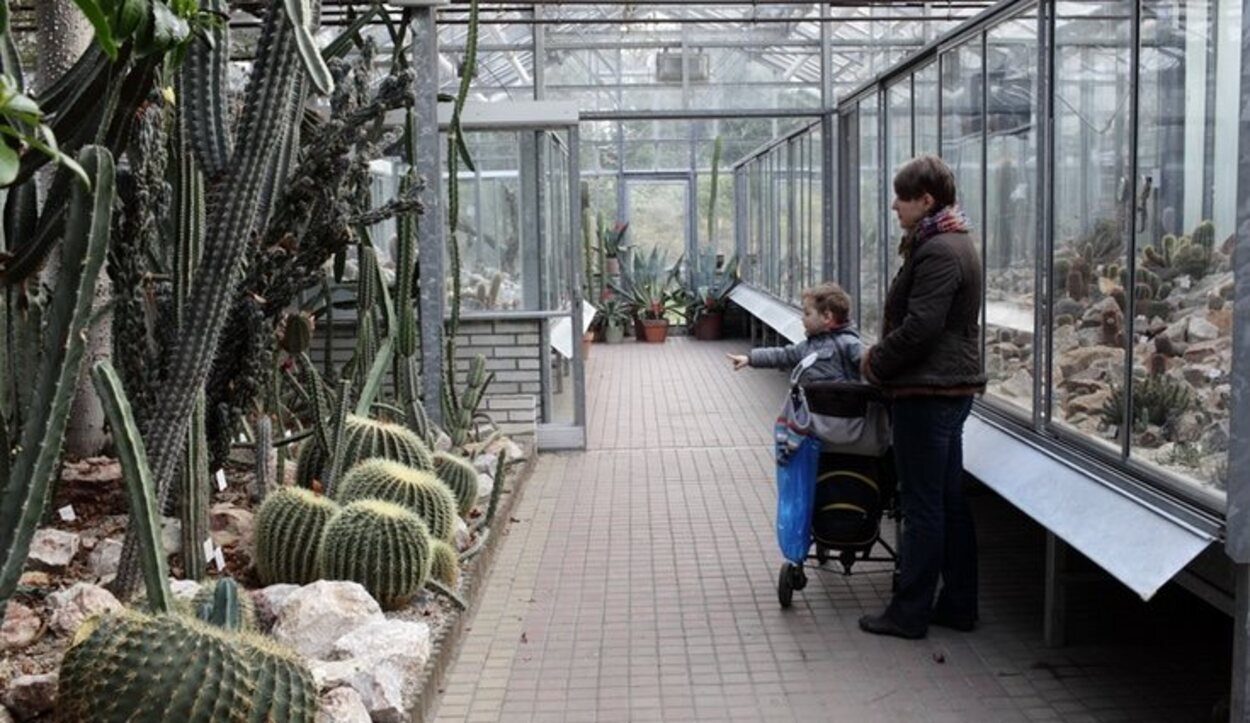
(1156, 399)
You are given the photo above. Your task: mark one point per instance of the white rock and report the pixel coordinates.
(514, 450)
(1202, 330)
(330, 674)
(52, 549)
(342, 705)
(171, 535)
(184, 589)
(320, 613)
(105, 558)
(20, 628)
(461, 535)
(5, 716)
(29, 695)
(486, 462)
(485, 485)
(71, 607)
(442, 443)
(394, 653)
(269, 601)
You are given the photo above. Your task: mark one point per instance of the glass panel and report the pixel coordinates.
(1091, 147)
(557, 236)
(870, 216)
(898, 150)
(1012, 205)
(1185, 216)
(657, 216)
(926, 116)
(963, 125)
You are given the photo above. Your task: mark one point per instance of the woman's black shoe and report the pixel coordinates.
(882, 625)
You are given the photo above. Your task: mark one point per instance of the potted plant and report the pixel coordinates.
(615, 314)
(710, 296)
(650, 284)
(611, 243)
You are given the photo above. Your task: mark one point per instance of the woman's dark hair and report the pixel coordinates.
(926, 174)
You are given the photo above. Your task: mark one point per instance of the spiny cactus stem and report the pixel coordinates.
(497, 488)
(441, 589)
(340, 426)
(482, 536)
(138, 484)
(264, 447)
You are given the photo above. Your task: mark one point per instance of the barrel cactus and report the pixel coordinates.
(460, 477)
(382, 546)
(445, 566)
(222, 603)
(364, 438)
(129, 666)
(289, 526)
(415, 489)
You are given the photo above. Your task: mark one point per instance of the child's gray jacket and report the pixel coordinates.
(838, 354)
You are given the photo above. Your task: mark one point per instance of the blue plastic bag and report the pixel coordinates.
(796, 493)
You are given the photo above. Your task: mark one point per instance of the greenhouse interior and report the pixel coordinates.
(404, 361)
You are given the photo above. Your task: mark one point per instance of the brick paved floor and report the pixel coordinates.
(638, 583)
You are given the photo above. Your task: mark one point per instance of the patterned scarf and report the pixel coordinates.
(948, 220)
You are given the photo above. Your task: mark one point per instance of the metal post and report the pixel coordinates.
(430, 233)
(1239, 703)
(1042, 325)
(1056, 605)
(531, 256)
(1130, 261)
(575, 234)
(828, 187)
(539, 37)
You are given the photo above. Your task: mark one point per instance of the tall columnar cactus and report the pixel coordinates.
(264, 452)
(194, 495)
(132, 667)
(459, 410)
(460, 477)
(289, 527)
(222, 604)
(232, 211)
(27, 473)
(445, 564)
(382, 546)
(414, 489)
(365, 439)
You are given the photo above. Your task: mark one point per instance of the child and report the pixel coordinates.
(826, 319)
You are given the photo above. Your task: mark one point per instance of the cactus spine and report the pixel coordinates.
(417, 490)
(382, 546)
(289, 528)
(365, 439)
(131, 667)
(24, 489)
(460, 477)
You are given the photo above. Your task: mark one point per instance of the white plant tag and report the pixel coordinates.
(67, 513)
(219, 559)
(221, 480)
(208, 548)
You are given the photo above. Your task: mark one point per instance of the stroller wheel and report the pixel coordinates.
(799, 578)
(785, 588)
(822, 554)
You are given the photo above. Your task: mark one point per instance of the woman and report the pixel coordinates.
(929, 359)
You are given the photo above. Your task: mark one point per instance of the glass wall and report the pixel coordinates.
(1012, 202)
(782, 244)
(1125, 203)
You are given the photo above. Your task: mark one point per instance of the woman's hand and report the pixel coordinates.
(865, 372)
(739, 360)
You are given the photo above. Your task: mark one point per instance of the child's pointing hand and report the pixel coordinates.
(739, 360)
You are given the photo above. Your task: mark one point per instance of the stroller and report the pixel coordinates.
(855, 485)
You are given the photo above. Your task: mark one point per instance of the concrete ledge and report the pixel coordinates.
(446, 646)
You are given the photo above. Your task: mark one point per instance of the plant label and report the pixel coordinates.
(219, 559)
(67, 513)
(208, 548)
(221, 480)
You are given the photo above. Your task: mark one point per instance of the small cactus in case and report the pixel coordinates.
(132, 667)
(365, 439)
(223, 604)
(382, 546)
(417, 490)
(289, 526)
(445, 564)
(460, 477)
(297, 331)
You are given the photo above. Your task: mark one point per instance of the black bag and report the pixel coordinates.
(852, 492)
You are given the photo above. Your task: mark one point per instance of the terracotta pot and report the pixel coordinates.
(587, 339)
(614, 333)
(708, 326)
(611, 265)
(655, 330)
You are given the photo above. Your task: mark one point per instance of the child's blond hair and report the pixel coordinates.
(829, 298)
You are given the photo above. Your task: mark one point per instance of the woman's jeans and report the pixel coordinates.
(938, 535)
